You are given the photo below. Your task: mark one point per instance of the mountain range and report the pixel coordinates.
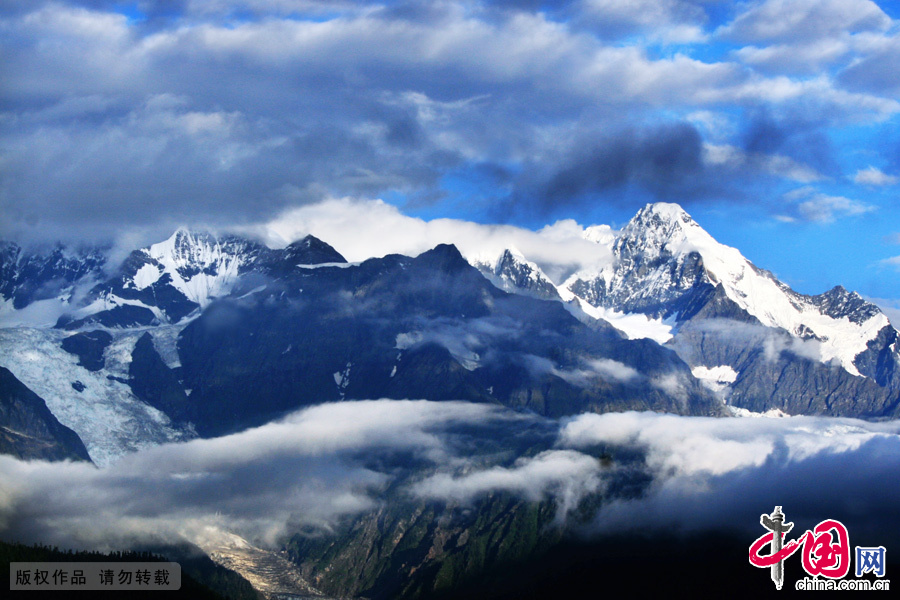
(204, 335)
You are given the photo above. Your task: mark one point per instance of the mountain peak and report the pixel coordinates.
(665, 211)
(663, 230)
(513, 272)
(664, 217)
(838, 302)
(443, 257)
(201, 265)
(310, 250)
(182, 244)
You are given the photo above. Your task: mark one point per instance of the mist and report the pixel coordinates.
(319, 466)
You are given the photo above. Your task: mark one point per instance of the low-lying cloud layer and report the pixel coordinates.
(721, 474)
(334, 461)
(306, 470)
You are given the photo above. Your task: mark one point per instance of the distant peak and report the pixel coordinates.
(512, 253)
(182, 233)
(307, 242)
(448, 250)
(444, 257)
(840, 292)
(667, 211)
(311, 250)
(186, 235)
(509, 258)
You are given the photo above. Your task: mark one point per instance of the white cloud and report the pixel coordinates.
(613, 369)
(774, 345)
(276, 110)
(789, 20)
(811, 205)
(798, 58)
(589, 373)
(732, 157)
(361, 229)
(874, 176)
(564, 474)
(310, 469)
(714, 124)
(300, 470)
(721, 474)
(672, 21)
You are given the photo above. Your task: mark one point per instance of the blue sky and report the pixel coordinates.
(773, 122)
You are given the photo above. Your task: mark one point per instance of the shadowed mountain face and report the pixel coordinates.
(428, 327)
(29, 430)
(266, 331)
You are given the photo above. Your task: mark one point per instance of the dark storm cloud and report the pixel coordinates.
(666, 160)
(792, 135)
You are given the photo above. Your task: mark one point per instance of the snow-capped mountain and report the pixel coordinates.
(30, 277)
(208, 334)
(512, 272)
(167, 281)
(730, 319)
(664, 259)
(199, 265)
(174, 279)
(36, 287)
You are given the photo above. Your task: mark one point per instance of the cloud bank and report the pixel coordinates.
(721, 474)
(306, 470)
(334, 461)
(361, 229)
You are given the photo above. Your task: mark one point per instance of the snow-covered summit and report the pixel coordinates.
(177, 278)
(512, 272)
(201, 266)
(662, 254)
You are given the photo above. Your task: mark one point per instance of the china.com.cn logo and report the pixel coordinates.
(826, 553)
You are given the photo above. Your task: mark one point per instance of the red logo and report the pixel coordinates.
(826, 548)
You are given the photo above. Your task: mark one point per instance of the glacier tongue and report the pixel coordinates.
(635, 326)
(106, 415)
(716, 378)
